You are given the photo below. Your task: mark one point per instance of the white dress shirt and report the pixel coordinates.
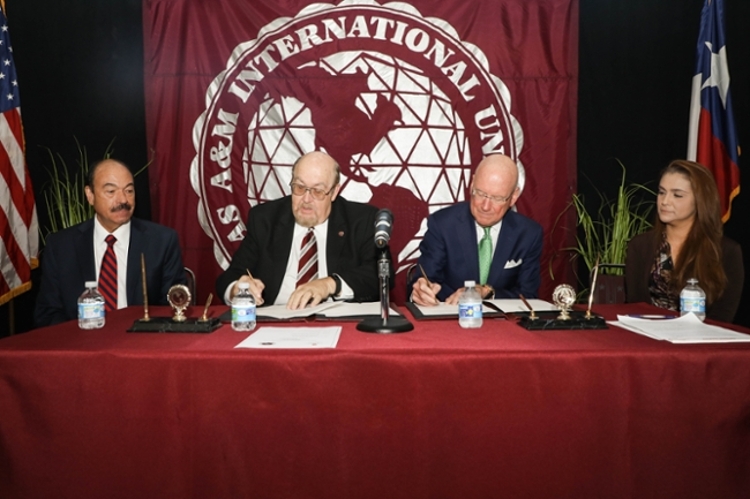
(122, 234)
(289, 281)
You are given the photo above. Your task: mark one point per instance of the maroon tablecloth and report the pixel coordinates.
(439, 412)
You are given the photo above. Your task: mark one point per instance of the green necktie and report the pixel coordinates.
(485, 256)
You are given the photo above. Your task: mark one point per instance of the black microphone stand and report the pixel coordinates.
(385, 324)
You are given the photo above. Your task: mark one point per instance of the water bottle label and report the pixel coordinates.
(696, 305)
(470, 310)
(243, 314)
(90, 310)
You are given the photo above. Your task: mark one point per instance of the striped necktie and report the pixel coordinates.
(485, 256)
(108, 275)
(308, 259)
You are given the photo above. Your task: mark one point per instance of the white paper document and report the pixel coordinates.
(685, 329)
(344, 309)
(292, 337)
(330, 309)
(506, 305)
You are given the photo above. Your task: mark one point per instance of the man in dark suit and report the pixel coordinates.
(481, 240)
(272, 257)
(74, 255)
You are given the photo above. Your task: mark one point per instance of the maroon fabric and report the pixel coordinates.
(108, 275)
(437, 412)
(308, 260)
(407, 96)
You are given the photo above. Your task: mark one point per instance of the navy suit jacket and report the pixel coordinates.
(450, 254)
(350, 248)
(68, 262)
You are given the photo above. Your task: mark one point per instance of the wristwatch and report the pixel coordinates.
(337, 280)
(491, 294)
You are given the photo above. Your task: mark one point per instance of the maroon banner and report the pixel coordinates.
(408, 97)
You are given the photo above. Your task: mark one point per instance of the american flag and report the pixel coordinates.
(18, 221)
(712, 139)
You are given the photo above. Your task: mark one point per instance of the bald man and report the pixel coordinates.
(339, 233)
(74, 255)
(481, 240)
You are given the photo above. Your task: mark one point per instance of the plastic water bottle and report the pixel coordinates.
(91, 308)
(470, 307)
(693, 299)
(243, 309)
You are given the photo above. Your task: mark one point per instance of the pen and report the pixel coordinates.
(651, 316)
(424, 274)
(249, 274)
(429, 283)
(532, 315)
(204, 317)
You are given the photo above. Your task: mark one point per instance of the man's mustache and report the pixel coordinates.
(121, 206)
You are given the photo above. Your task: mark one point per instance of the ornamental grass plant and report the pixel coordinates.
(64, 195)
(604, 234)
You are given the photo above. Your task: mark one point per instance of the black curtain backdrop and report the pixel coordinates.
(80, 67)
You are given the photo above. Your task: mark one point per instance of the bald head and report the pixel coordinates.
(496, 168)
(315, 178)
(494, 189)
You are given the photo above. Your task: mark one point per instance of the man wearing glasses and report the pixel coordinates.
(481, 240)
(302, 249)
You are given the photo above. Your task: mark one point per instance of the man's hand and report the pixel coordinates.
(424, 292)
(453, 299)
(311, 293)
(483, 290)
(256, 288)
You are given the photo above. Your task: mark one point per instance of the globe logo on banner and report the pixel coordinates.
(405, 107)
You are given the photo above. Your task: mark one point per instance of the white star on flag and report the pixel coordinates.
(719, 76)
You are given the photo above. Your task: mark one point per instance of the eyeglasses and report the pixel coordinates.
(319, 194)
(494, 199)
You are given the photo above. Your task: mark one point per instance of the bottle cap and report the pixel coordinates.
(692, 280)
(91, 284)
(469, 284)
(244, 285)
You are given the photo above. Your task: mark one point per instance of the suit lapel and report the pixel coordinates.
(137, 246)
(506, 242)
(84, 247)
(282, 234)
(335, 237)
(467, 237)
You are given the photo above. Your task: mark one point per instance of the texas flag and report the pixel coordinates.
(712, 139)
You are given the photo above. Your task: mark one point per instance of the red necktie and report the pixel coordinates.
(308, 259)
(108, 275)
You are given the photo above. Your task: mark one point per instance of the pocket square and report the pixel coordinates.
(513, 263)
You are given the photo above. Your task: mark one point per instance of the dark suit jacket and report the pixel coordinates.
(640, 258)
(450, 254)
(350, 248)
(68, 262)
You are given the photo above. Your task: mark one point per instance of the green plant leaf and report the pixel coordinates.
(604, 233)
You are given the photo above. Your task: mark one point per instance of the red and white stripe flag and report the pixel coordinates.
(18, 221)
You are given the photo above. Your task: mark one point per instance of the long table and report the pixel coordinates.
(440, 412)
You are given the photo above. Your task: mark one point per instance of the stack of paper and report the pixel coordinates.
(506, 305)
(685, 329)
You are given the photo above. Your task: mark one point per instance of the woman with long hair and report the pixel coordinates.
(686, 242)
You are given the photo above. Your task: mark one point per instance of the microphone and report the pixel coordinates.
(383, 224)
(385, 323)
